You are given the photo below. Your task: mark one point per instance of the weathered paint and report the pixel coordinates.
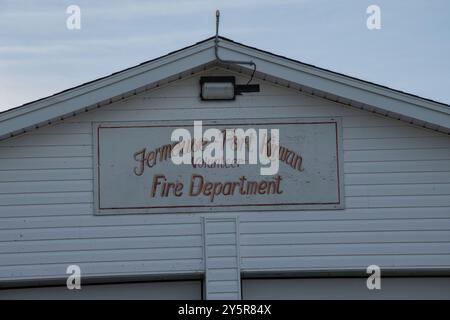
(134, 172)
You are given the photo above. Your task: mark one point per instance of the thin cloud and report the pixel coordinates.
(117, 10)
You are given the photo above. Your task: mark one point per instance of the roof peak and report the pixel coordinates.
(200, 54)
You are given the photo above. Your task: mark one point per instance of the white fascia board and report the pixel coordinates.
(202, 53)
(103, 89)
(340, 85)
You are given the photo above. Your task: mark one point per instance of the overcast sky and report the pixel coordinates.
(39, 56)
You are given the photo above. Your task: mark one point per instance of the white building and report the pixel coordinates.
(374, 190)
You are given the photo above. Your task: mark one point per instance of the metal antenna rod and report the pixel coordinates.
(217, 25)
(216, 49)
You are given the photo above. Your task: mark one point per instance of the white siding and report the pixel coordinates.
(397, 189)
(222, 263)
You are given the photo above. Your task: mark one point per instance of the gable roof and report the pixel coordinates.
(271, 67)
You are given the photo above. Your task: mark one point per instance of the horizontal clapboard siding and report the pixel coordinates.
(104, 269)
(397, 195)
(222, 276)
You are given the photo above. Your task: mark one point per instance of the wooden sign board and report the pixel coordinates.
(134, 172)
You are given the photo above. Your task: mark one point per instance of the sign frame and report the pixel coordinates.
(337, 121)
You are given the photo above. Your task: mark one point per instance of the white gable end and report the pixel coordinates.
(280, 70)
(392, 154)
(397, 199)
